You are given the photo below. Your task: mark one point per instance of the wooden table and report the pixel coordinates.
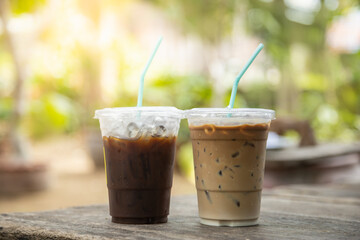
(293, 212)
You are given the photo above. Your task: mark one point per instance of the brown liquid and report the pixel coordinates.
(229, 170)
(139, 178)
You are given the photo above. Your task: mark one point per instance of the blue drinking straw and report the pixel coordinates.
(237, 80)
(141, 87)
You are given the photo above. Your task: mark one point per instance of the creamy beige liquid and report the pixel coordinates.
(229, 166)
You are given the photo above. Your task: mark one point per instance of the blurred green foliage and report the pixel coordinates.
(53, 113)
(184, 161)
(208, 19)
(323, 87)
(55, 108)
(249, 97)
(329, 81)
(183, 92)
(6, 105)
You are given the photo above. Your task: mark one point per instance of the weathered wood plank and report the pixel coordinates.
(280, 219)
(317, 209)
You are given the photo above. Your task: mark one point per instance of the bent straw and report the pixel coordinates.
(141, 87)
(237, 79)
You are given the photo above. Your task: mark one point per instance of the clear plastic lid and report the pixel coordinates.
(131, 112)
(234, 112)
(135, 122)
(229, 116)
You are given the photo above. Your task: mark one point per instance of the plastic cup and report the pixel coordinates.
(139, 150)
(229, 148)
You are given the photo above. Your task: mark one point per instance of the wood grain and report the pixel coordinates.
(287, 213)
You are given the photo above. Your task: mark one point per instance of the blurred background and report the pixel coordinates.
(61, 60)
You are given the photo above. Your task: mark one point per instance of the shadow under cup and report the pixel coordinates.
(139, 150)
(229, 147)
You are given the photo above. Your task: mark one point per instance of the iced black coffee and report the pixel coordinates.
(139, 150)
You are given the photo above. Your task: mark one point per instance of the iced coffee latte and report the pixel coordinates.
(229, 160)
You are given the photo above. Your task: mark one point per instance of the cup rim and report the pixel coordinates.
(147, 111)
(231, 112)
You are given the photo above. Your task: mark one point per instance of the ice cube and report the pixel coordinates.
(159, 131)
(132, 130)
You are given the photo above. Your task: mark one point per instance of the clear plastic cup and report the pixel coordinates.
(139, 150)
(229, 148)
